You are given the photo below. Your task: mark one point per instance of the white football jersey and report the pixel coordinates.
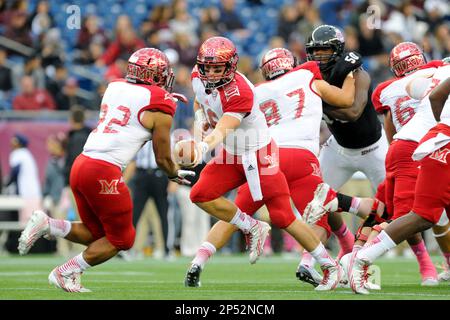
(424, 120)
(292, 109)
(392, 95)
(235, 97)
(443, 73)
(119, 133)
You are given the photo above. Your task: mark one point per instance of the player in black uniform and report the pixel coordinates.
(358, 140)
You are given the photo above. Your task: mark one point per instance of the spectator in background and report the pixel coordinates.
(51, 48)
(70, 95)
(209, 19)
(125, 44)
(287, 22)
(230, 20)
(94, 104)
(5, 78)
(55, 82)
(183, 23)
(91, 32)
(41, 20)
(18, 29)
(24, 175)
(31, 98)
(31, 67)
(116, 70)
(186, 49)
(54, 184)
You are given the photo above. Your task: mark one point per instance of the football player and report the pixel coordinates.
(226, 102)
(133, 110)
(291, 103)
(432, 183)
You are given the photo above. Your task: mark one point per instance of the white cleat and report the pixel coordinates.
(371, 286)
(67, 281)
(36, 227)
(332, 275)
(317, 207)
(344, 262)
(444, 276)
(430, 282)
(255, 239)
(358, 275)
(309, 275)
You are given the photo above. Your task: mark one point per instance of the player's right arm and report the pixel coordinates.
(342, 98)
(159, 124)
(438, 97)
(389, 127)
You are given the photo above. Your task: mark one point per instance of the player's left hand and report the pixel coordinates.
(180, 178)
(349, 62)
(180, 97)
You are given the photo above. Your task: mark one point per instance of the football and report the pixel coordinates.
(185, 153)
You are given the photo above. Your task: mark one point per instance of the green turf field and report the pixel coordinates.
(224, 278)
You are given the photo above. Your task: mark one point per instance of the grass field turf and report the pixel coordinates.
(225, 278)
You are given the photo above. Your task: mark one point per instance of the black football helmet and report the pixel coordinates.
(325, 37)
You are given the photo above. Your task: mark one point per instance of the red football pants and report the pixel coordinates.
(225, 173)
(103, 201)
(302, 171)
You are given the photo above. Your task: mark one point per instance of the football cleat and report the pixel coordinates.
(444, 276)
(255, 239)
(36, 227)
(308, 274)
(67, 281)
(358, 274)
(192, 278)
(429, 282)
(332, 275)
(344, 263)
(320, 204)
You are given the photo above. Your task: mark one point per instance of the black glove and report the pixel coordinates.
(347, 63)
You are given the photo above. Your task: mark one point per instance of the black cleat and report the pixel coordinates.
(303, 274)
(192, 278)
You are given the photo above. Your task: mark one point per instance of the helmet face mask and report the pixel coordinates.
(325, 37)
(405, 58)
(150, 66)
(277, 62)
(215, 54)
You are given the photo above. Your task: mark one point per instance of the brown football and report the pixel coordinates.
(184, 153)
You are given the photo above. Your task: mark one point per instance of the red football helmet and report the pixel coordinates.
(406, 57)
(150, 66)
(276, 62)
(217, 51)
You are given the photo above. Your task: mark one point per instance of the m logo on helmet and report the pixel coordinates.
(109, 187)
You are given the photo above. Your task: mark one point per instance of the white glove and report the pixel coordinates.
(180, 178)
(200, 120)
(180, 97)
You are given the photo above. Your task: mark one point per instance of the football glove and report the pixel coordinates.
(180, 178)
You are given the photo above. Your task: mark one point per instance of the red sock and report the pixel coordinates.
(346, 240)
(447, 258)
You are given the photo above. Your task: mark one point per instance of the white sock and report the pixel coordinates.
(205, 251)
(377, 247)
(242, 221)
(322, 256)
(59, 228)
(307, 259)
(356, 248)
(76, 264)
